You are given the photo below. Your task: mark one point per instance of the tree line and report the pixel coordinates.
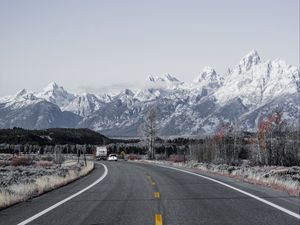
(275, 143)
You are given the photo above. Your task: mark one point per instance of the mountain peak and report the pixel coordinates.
(170, 78)
(208, 78)
(249, 60)
(127, 92)
(21, 93)
(206, 74)
(51, 86)
(164, 78)
(56, 94)
(24, 94)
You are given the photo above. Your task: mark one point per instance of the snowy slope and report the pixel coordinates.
(84, 104)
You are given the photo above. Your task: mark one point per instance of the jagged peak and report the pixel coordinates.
(164, 78)
(171, 78)
(249, 60)
(52, 87)
(127, 92)
(207, 73)
(22, 92)
(25, 94)
(252, 54)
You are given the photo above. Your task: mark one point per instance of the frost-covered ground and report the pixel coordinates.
(24, 177)
(277, 177)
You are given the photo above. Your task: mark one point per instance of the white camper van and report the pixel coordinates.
(101, 152)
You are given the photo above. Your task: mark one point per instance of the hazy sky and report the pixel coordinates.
(100, 44)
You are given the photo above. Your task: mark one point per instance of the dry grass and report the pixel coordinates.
(21, 192)
(275, 181)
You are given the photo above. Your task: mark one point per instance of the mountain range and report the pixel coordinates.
(245, 94)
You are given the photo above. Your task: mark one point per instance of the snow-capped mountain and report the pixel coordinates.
(166, 81)
(251, 89)
(20, 99)
(27, 110)
(257, 82)
(56, 95)
(209, 78)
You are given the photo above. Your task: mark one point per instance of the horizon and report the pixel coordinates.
(117, 88)
(107, 45)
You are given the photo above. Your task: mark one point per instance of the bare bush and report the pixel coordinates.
(21, 161)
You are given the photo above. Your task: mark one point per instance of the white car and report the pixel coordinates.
(112, 157)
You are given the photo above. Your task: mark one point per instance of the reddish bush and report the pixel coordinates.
(133, 157)
(21, 161)
(176, 158)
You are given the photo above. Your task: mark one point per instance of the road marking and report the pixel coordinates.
(157, 195)
(66, 199)
(153, 183)
(158, 219)
(239, 190)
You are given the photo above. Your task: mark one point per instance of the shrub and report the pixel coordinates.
(176, 158)
(230, 169)
(21, 161)
(133, 157)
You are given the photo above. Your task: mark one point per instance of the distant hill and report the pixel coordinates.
(52, 136)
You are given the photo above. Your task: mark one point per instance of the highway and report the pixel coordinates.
(131, 193)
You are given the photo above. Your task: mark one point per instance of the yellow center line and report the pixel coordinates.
(150, 179)
(157, 195)
(158, 219)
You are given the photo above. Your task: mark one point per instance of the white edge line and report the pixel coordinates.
(66, 199)
(239, 190)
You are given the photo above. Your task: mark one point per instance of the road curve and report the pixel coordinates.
(135, 193)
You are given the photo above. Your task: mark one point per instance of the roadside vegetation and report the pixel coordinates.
(27, 176)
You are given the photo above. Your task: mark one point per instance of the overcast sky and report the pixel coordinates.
(98, 44)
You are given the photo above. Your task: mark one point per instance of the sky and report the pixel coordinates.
(89, 46)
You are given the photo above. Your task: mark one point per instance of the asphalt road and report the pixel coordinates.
(141, 194)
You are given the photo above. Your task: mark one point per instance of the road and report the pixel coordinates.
(141, 194)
